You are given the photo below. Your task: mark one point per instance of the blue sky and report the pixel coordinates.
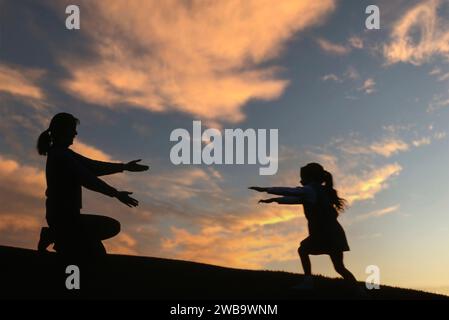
(370, 105)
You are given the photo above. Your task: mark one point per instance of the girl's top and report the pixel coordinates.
(325, 233)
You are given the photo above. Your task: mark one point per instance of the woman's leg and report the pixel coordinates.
(99, 227)
(82, 234)
(337, 260)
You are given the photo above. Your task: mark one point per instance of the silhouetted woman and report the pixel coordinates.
(66, 171)
(321, 207)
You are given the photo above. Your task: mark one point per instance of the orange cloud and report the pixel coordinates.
(357, 188)
(22, 178)
(368, 86)
(22, 223)
(122, 244)
(386, 147)
(185, 183)
(243, 243)
(378, 213)
(21, 189)
(389, 147)
(333, 48)
(433, 35)
(90, 151)
(20, 81)
(202, 58)
(356, 42)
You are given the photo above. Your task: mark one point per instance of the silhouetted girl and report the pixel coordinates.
(321, 207)
(66, 172)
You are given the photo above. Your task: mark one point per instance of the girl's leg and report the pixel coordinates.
(305, 260)
(337, 260)
(307, 283)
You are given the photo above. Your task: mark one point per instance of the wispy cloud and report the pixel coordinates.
(153, 54)
(331, 77)
(24, 179)
(386, 147)
(90, 151)
(333, 48)
(439, 74)
(366, 187)
(353, 42)
(124, 243)
(433, 39)
(435, 71)
(352, 73)
(422, 142)
(389, 147)
(437, 102)
(368, 86)
(241, 242)
(22, 189)
(356, 42)
(20, 81)
(443, 77)
(378, 213)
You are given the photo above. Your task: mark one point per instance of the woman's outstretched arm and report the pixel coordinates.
(92, 182)
(102, 168)
(99, 168)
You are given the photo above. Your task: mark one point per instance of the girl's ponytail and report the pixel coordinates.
(338, 203)
(44, 142)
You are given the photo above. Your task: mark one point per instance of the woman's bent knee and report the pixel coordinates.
(116, 227)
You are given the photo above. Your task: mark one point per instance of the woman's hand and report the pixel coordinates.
(260, 189)
(123, 197)
(133, 166)
(267, 200)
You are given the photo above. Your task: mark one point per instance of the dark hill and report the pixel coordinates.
(28, 274)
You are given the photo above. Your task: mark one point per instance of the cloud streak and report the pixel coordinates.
(368, 86)
(195, 57)
(378, 213)
(20, 81)
(333, 48)
(432, 39)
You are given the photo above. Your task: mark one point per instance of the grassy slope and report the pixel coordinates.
(27, 274)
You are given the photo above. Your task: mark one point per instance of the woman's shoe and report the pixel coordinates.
(45, 239)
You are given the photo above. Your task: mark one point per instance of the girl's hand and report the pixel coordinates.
(123, 197)
(133, 166)
(266, 200)
(260, 189)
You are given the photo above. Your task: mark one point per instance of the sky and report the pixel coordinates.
(370, 105)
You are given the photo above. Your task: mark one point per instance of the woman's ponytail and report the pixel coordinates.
(58, 126)
(338, 203)
(44, 142)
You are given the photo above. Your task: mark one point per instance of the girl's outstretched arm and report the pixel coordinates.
(286, 191)
(281, 191)
(283, 200)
